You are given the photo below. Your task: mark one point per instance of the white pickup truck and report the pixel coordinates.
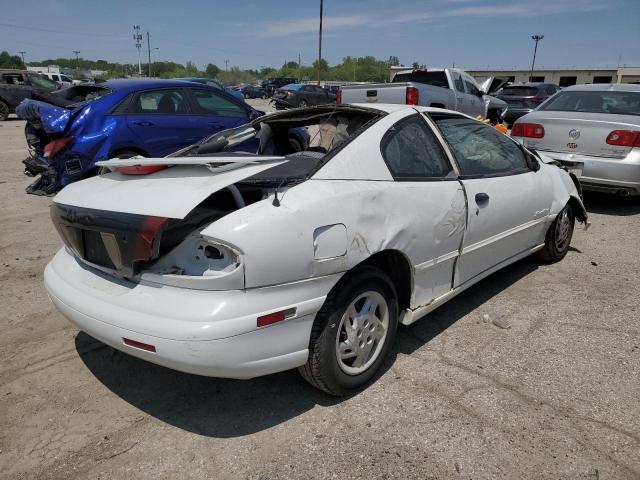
(449, 88)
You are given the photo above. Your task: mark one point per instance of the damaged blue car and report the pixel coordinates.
(67, 132)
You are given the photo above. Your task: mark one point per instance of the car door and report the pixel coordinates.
(161, 121)
(474, 103)
(214, 111)
(15, 89)
(425, 181)
(458, 90)
(508, 199)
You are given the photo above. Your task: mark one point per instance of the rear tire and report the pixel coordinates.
(303, 104)
(352, 332)
(4, 111)
(558, 239)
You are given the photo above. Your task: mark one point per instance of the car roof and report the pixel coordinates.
(142, 83)
(604, 87)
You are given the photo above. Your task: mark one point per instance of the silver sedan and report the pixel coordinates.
(595, 125)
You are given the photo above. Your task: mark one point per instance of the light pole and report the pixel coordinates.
(226, 65)
(137, 37)
(320, 43)
(22, 55)
(535, 38)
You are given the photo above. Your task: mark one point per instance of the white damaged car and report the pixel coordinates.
(231, 264)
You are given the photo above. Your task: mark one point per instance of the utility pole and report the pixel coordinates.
(137, 37)
(320, 43)
(77, 52)
(22, 55)
(535, 38)
(299, 69)
(226, 65)
(149, 53)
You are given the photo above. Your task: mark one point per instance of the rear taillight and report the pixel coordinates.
(140, 169)
(339, 96)
(291, 93)
(51, 149)
(413, 96)
(528, 130)
(624, 138)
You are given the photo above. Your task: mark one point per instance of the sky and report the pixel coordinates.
(471, 34)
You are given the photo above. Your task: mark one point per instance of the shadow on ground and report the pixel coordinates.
(608, 204)
(232, 408)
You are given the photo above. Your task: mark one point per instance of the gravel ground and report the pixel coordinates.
(554, 395)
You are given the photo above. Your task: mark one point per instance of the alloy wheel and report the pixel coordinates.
(362, 332)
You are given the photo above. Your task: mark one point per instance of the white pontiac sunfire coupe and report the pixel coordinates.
(249, 253)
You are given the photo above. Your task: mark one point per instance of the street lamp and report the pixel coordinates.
(535, 38)
(320, 44)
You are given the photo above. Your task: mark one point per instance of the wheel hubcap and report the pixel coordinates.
(362, 332)
(563, 230)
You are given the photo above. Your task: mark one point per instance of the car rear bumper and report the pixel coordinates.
(210, 333)
(613, 175)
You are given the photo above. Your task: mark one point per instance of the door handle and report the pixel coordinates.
(144, 124)
(482, 198)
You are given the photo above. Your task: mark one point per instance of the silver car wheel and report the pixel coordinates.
(563, 230)
(362, 332)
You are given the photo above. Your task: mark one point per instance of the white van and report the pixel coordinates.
(59, 78)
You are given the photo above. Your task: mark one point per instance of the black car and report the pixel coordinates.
(253, 91)
(17, 85)
(522, 98)
(272, 84)
(299, 95)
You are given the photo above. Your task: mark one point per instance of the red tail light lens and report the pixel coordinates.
(140, 345)
(51, 149)
(339, 96)
(528, 130)
(140, 169)
(291, 93)
(624, 138)
(413, 96)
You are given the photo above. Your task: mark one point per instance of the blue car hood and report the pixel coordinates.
(53, 119)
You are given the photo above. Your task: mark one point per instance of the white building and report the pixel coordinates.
(564, 77)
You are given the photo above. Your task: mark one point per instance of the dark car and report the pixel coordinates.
(299, 95)
(272, 84)
(122, 118)
(17, 85)
(212, 83)
(522, 98)
(253, 91)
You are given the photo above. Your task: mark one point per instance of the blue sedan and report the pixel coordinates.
(122, 118)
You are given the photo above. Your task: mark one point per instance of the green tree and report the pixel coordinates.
(212, 70)
(10, 61)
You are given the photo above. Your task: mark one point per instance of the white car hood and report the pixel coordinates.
(170, 193)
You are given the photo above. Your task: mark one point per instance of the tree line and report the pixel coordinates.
(352, 69)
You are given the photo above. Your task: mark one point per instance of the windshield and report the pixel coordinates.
(619, 103)
(437, 79)
(43, 82)
(519, 91)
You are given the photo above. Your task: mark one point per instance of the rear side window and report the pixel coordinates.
(412, 151)
(621, 103)
(162, 102)
(480, 150)
(437, 79)
(519, 91)
(211, 103)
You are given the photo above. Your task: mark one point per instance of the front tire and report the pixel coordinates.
(303, 104)
(4, 111)
(352, 332)
(558, 239)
